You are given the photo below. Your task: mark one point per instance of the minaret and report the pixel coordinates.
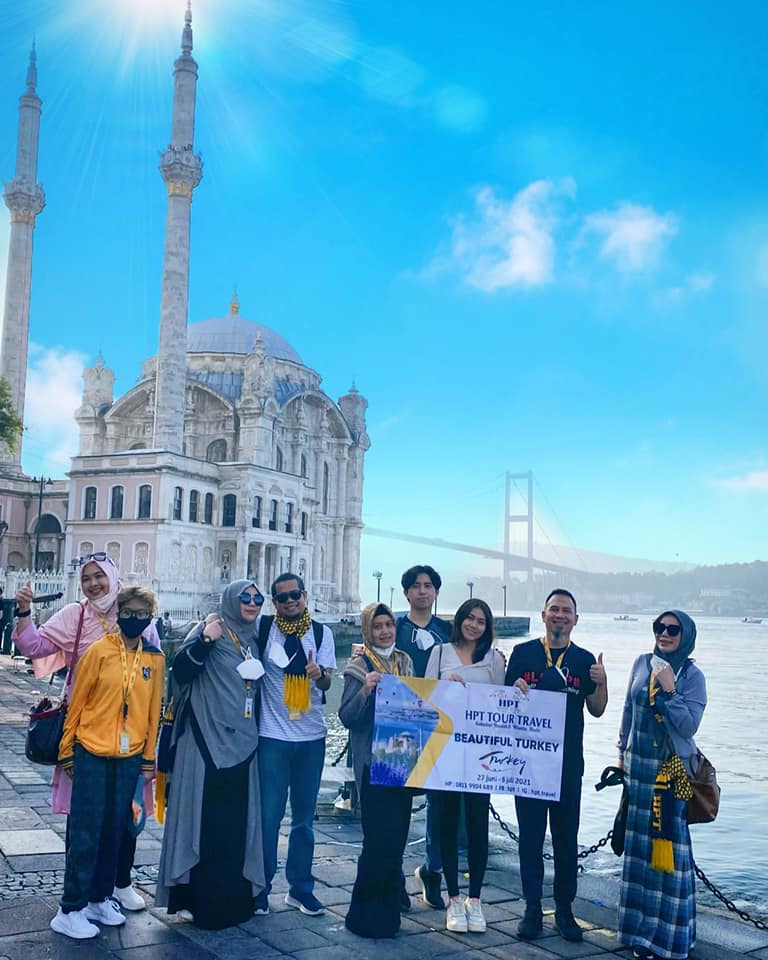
(181, 170)
(24, 197)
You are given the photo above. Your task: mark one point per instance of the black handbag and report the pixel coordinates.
(46, 719)
(705, 802)
(614, 777)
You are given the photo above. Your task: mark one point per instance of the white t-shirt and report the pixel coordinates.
(444, 661)
(274, 720)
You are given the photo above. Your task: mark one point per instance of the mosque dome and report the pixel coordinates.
(235, 334)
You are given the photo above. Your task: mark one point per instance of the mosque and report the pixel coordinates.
(226, 459)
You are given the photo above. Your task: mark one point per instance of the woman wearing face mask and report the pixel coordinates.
(211, 863)
(52, 646)
(108, 742)
(665, 701)
(374, 910)
(468, 658)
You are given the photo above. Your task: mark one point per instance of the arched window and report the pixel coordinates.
(304, 522)
(89, 503)
(304, 466)
(113, 552)
(178, 497)
(208, 515)
(326, 486)
(228, 510)
(86, 547)
(279, 459)
(144, 511)
(273, 514)
(289, 518)
(141, 558)
(116, 503)
(194, 502)
(217, 451)
(256, 516)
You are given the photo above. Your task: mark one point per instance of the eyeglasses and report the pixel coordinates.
(255, 598)
(288, 595)
(672, 629)
(128, 614)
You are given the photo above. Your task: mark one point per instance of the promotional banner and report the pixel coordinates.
(445, 735)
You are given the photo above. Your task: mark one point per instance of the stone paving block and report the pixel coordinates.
(18, 842)
(140, 929)
(26, 916)
(47, 945)
(37, 862)
(521, 951)
(299, 939)
(181, 949)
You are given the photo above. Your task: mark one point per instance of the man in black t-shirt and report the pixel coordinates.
(417, 632)
(554, 663)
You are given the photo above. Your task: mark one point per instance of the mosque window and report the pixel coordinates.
(208, 514)
(194, 502)
(217, 451)
(145, 502)
(256, 517)
(178, 497)
(304, 466)
(228, 510)
(273, 514)
(289, 518)
(89, 503)
(326, 486)
(113, 552)
(304, 522)
(279, 459)
(116, 503)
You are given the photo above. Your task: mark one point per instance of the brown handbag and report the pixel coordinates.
(705, 802)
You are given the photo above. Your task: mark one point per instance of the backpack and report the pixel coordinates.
(265, 625)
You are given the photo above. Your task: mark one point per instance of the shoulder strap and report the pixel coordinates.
(319, 632)
(265, 625)
(73, 662)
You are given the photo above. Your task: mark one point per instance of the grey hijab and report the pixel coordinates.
(687, 640)
(217, 694)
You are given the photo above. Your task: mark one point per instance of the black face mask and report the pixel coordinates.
(131, 627)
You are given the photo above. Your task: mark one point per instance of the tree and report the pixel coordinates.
(10, 421)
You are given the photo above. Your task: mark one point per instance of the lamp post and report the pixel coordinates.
(391, 597)
(378, 574)
(471, 585)
(504, 591)
(43, 482)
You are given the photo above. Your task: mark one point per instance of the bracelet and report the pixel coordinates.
(26, 613)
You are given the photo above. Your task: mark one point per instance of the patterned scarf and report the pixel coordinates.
(296, 689)
(671, 784)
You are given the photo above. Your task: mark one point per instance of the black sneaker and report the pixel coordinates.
(642, 953)
(261, 904)
(430, 887)
(567, 927)
(531, 925)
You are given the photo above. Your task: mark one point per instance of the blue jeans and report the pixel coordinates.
(296, 767)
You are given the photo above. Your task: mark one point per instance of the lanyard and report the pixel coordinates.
(557, 663)
(128, 682)
(245, 652)
(379, 663)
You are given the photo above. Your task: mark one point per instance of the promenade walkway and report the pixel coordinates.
(32, 863)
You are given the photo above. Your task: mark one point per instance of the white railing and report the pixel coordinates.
(43, 583)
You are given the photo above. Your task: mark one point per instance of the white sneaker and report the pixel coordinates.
(456, 916)
(74, 924)
(129, 899)
(185, 915)
(475, 919)
(107, 912)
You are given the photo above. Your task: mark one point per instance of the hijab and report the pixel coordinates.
(685, 648)
(106, 601)
(396, 662)
(217, 694)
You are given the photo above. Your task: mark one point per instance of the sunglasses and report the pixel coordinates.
(255, 598)
(128, 614)
(672, 629)
(101, 556)
(288, 595)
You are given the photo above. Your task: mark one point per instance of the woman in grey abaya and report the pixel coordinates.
(211, 861)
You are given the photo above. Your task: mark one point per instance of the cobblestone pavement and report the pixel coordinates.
(32, 864)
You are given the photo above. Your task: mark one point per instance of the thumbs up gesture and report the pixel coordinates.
(597, 672)
(24, 598)
(312, 671)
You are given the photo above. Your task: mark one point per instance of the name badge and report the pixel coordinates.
(248, 711)
(125, 743)
(250, 669)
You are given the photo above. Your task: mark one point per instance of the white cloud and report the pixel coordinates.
(752, 480)
(507, 243)
(694, 284)
(54, 392)
(632, 236)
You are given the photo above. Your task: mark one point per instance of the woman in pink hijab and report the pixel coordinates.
(51, 647)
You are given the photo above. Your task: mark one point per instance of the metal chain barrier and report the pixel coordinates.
(729, 904)
(341, 756)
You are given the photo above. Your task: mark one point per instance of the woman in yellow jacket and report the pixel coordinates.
(108, 743)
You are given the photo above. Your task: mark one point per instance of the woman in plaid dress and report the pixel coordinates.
(665, 701)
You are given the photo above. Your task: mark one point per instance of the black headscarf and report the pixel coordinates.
(687, 640)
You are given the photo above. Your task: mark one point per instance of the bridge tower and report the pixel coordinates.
(526, 518)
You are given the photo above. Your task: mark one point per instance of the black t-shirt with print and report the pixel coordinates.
(529, 661)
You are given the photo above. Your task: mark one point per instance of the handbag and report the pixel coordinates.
(614, 777)
(46, 719)
(705, 802)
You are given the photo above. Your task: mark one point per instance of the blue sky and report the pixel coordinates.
(534, 235)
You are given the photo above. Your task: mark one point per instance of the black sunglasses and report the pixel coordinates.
(101, 556)
(255, 598)
(672, 629)
(288, 595)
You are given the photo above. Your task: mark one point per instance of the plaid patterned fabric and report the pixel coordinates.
(657, 911)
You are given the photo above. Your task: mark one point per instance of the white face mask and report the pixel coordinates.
(278, 656)
(424, 639)
(384, 651)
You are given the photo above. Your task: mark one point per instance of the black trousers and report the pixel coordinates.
(385, 812)
(99, 815)
(564, 828)
(476, 822)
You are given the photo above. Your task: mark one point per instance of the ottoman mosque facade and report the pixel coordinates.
(226, 459)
